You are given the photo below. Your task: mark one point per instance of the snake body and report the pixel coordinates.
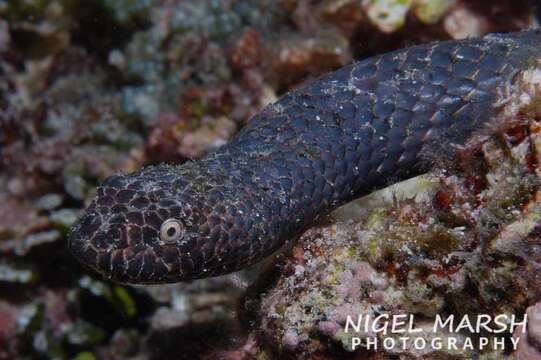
(339, 137)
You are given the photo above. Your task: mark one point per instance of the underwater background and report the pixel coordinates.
(92, 88)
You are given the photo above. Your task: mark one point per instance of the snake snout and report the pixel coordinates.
(80, 246)
(105, 251)
(97, 238)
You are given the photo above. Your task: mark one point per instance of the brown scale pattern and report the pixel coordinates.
(340, 137)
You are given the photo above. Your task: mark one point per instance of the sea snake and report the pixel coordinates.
(344, 135)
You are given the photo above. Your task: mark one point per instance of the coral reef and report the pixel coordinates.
(90, 88)
(530, 340)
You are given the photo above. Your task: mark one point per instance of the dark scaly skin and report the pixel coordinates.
(340, 137)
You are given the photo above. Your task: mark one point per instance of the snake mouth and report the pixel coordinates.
(87, 254)
(121, 265)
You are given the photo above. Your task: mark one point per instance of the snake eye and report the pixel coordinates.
(171, 230)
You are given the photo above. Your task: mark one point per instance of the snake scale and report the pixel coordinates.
(339, 137)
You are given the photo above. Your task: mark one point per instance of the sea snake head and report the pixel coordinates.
(151, 226)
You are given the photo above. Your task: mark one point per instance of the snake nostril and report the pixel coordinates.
(101, 240)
